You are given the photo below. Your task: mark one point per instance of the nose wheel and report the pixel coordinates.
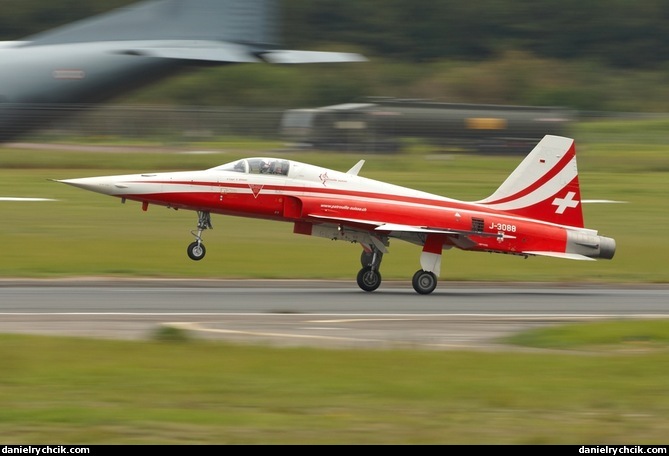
(196, 250)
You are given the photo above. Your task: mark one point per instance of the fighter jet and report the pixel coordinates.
(60, 72)
(537, 210)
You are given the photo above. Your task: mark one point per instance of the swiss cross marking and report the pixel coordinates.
(563, 203)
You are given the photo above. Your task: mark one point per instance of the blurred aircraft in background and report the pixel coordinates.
(62, 71)
(536, 211)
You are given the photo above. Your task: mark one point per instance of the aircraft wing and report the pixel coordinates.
(462, 235)
(223, 31)
(293, 57)
(382, 226)
(436, 230)
(371, 224)
(567, 256)
(226, 52)
(416, 229)
(207, 51)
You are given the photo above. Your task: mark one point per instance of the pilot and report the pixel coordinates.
(264, 167)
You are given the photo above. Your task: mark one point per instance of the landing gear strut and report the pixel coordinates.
(196, 250)
(369, 277)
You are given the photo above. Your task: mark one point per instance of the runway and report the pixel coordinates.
(314, 313)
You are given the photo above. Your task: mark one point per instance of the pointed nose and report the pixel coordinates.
(102, 185)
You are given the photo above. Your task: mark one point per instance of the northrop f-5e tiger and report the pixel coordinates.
(536, 211)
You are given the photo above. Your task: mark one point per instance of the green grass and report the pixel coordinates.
(639, 336)
(595, 383)
(174, 389)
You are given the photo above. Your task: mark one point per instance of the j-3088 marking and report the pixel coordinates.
(503, 227)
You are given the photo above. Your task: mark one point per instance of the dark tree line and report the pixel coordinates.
(619, 33)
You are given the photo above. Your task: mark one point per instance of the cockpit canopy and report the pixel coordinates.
(257, 166)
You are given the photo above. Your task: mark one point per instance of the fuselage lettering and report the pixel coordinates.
(509, 228)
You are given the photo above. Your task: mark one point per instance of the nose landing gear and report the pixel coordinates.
(196, 250)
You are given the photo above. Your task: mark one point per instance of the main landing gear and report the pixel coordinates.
(369, 277)
(424, 282)
(196, 250)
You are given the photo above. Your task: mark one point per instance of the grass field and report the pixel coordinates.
(605, 384)
(595, 383)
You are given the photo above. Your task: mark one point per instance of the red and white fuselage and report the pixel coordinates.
(536, 211)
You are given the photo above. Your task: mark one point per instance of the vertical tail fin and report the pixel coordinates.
(247, 31)
(544, 186)
(239, 21)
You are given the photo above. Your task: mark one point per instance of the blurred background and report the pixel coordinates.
(599, 59)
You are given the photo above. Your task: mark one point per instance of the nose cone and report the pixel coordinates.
(104, 185)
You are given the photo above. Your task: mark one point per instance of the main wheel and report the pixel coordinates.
(368, 279)
(196, 251)
(424, 282)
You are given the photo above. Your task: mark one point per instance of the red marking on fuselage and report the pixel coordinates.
(255, 188)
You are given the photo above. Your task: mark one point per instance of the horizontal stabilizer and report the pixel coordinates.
(567, 256)
(602, 201)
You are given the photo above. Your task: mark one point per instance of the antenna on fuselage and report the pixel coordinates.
(356, 169)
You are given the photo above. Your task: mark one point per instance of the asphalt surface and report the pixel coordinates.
(315, 313)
